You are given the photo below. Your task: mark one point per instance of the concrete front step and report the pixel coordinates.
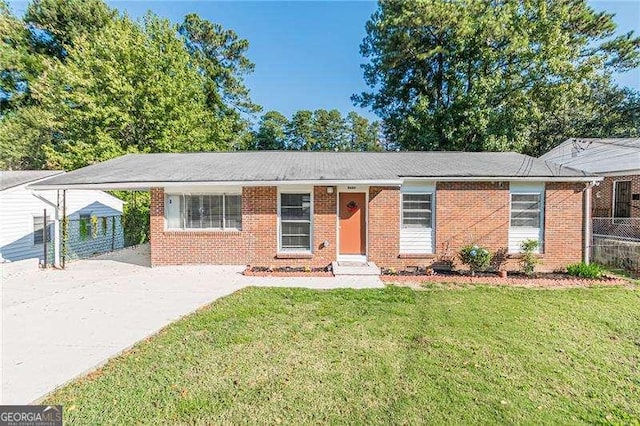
(354, 268)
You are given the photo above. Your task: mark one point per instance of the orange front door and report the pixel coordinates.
(353, 211)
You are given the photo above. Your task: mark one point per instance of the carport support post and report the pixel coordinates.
(56, 232)
(45, 236)
(65, 227)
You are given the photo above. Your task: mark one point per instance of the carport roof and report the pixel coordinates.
(142, 171)
(13, 178)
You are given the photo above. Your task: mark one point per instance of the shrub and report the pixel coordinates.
(476, 257)
(582, 270)
(135, 216)
(528, 260)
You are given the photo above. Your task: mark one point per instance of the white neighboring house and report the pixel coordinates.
(22, 222)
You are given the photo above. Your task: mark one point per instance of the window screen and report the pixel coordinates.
(416, 211)
(212, 211)
(295, 222)
(525, 210)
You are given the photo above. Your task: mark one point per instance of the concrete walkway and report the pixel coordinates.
(58, 325)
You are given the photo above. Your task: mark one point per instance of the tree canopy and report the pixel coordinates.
(496, 75)
(319, 130)
(81, 83)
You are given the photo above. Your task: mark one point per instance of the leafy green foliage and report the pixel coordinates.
(583, 270)
(378, 356)
(475, 75)
(219, 55)
(64, 22)
(476, 257)
(129, 89)
(271, 132)
(300, 131)
(18, 64)
(528, 258)
(320, 130)
(84, 227)
(85, 85)
(135, 216)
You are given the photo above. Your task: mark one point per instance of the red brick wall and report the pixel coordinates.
(384, 226)
(256, 244)
(471, 213)
(563, 225)
(466, 212)
(602, 196)
(182, 247)
(477, 213)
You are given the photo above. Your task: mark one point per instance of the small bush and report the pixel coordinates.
(476, 257)
(528, 261)
(583, 270)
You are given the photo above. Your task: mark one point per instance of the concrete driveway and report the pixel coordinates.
(58, 325)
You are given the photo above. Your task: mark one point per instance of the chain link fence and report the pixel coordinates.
(87, 236)
(616, 242)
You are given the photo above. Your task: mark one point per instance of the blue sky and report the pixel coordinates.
(307, 52)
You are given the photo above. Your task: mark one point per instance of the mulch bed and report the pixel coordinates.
(287, 271)
(550, 279)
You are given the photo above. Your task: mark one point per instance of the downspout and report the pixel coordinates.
(586, 217)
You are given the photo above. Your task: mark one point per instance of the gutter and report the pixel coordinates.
(143, 186)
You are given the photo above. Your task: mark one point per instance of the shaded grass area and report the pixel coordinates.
(392, 355)
(633, 276)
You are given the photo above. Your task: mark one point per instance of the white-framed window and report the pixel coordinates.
(295, 213)
(417, 217)
(204, 211)
(417, 212)
(526, 211)
(38, 225)
(526, 221)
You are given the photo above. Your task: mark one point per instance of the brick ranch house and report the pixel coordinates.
(397, 209)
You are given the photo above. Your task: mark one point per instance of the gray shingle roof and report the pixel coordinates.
(597, 156)
(11, 178)
(263, 166)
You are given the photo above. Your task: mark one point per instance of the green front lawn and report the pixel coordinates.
(380, 356)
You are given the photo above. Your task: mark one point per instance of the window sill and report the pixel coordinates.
(203, 231)
(417, 256)
(294, 255)
(519, 255)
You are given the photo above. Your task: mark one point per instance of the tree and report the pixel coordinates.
(300, 131)
(131, 88)
(501, 75)
(271, 132)
(56, 24)
(18, 64)
(329, 130)
(364, 136)
(220, 57)
(23, 133)
(320, 130)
